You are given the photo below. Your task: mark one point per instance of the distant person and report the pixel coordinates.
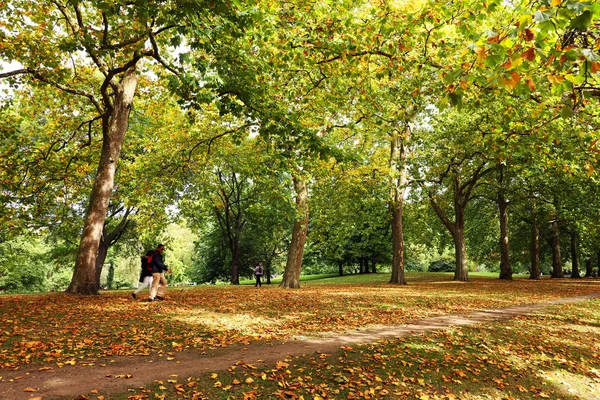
(159, 282)
(146, 274)
(258, 272)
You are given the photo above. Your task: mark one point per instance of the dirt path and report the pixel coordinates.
(71, 381)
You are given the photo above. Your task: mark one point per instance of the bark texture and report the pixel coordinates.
(535, 245)
(557, 271)
(293, 266)
(505, 267)
(114, 126)
(396, 203)
(589, 267)
(574, 256)
(457, 230)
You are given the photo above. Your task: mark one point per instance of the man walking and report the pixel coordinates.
(258, 271)
(159, 282)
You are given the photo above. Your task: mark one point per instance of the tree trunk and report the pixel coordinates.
(589, 267)
(340, 269)
(373, 265)
(574, 256)
(457, 230)
(293, 266)
(462, 272)
(557, 271)
(268, 272)
(505, 268)
(114, 127)
(397, 191)
(235, 259)
(535, 245)
(100, 258)
(361, 266)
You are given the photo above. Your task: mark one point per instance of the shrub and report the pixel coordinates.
(415, 266)
(442, 266)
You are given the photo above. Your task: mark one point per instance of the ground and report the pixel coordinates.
(326, 340)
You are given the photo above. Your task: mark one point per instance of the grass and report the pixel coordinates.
(55, 329)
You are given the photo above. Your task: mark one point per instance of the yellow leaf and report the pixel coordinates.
(249, 380)
(281, 365)
(29, 389)
(555, 79)
(590, 170)
(556, 3)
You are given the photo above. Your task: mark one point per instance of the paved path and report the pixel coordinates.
(71, 381)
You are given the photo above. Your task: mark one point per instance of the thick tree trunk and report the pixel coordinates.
(574, 256)
(373, 265)
(100, 258)
(505, 268)
(458, 235)
(462, 272)
(589, 267)
(114, 128)
(557, 271)
(268, 272)
(397, 191)
(535, 245)
(361, 266)
(293, 266)
(340, 269)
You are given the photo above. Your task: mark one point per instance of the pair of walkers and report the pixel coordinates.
(153, 274)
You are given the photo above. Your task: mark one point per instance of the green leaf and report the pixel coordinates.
(566, 112)
(542, 16)
(590, 55)
(583, 21)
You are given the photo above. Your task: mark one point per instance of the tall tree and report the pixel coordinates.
(104, 45)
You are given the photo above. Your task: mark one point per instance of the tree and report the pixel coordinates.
(105, 45)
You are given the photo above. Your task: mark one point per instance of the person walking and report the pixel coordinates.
(258, 271)
(159, 282)
(146, 274)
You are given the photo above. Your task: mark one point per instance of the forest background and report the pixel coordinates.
(315, 137)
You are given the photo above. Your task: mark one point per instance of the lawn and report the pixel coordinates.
(56, 330)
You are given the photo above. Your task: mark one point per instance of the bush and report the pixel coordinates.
(415, 266)
(442, 266)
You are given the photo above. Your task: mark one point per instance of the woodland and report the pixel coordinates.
(338, 137)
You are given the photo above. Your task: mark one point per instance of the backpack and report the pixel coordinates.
(149, 265)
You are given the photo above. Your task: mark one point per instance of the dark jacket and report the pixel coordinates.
(158, 266)
(146, 270)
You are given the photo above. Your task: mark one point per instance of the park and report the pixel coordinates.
(357, 199)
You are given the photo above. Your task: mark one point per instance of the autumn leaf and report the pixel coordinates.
(529, 54)
(555, 79)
